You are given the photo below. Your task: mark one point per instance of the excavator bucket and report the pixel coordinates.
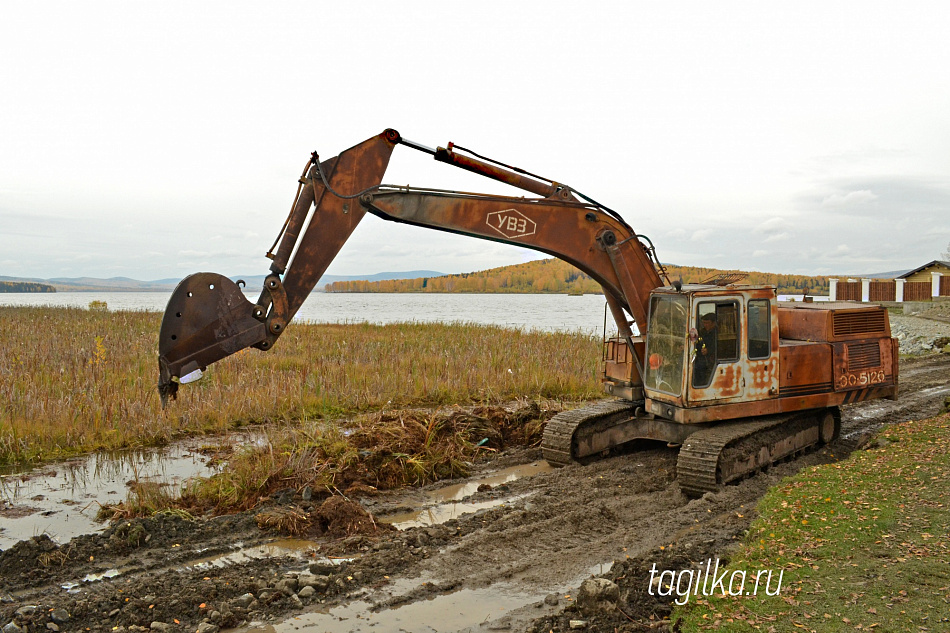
(207, 319)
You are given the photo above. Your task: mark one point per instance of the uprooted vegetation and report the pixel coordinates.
(353, 458)
(336, 517)
(83, 380)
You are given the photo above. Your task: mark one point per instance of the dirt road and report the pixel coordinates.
(508, 566)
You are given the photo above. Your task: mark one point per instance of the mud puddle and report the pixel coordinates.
(302, 549)
(497, 607)
(62, 499)
(393, 610)
(420, 604)
(463, 610)
(439, 506)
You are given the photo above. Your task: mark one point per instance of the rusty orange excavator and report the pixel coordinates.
(721, 369)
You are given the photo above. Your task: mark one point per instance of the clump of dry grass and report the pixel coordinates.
(145, 498)
(283, 520)
(336, 517)
(76, 380)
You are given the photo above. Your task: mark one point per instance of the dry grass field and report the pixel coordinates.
(76, 380)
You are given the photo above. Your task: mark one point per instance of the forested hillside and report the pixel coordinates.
(25, 286)
(786, 284)
(554, 275)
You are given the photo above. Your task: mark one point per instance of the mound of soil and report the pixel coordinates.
(338, 517)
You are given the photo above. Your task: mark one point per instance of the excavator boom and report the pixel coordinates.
(208, 318)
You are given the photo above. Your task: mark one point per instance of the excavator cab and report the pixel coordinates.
(734, 346)
(710, 345)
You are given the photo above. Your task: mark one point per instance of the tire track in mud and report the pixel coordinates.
(629, 505)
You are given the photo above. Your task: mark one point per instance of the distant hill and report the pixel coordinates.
(556, 276)
(25, 286)
(538, 276)
(92, 284)
(125, 284)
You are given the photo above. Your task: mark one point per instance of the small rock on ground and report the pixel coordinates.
(597, 595)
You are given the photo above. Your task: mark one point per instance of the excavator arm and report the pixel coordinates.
(208, 318)
(577, 233)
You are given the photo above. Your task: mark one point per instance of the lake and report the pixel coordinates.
(547, 312)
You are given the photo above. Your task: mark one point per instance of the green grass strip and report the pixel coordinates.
(862, 544)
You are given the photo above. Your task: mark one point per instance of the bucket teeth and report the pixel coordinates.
(166, 391)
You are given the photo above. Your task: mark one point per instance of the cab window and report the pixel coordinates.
(717, 339)
(760, 329)
(666, 344)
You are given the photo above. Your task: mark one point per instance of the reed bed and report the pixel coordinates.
(75, 380)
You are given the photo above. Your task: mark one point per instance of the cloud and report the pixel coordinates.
(860, 158)
(74, 257)
(772, 226)
(774, 229)
(864, 225)
(851, 198)
(701, 235)
(759, 253)
(888, 198)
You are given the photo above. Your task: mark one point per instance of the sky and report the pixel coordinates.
(155, 139)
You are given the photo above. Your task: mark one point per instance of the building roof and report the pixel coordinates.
(936, 262)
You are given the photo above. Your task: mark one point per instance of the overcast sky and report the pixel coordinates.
(156, 139)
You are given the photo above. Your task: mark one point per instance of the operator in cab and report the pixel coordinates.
(706, 350)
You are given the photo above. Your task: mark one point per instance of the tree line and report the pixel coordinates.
(25, 286)
(556, 276)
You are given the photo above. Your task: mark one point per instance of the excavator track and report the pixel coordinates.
(711, 458)
(558, 445)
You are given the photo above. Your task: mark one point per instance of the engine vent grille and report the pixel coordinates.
(806, 390)
(864, 355)
(864, 322)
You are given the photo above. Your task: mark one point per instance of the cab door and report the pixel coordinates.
(716, 336)
(760, 371)
(746, 349)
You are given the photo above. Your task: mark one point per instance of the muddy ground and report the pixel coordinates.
(515, 566)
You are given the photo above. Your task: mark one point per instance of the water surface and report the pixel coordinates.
(548, 312)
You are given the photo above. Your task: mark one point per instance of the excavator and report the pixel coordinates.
(724, 371)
